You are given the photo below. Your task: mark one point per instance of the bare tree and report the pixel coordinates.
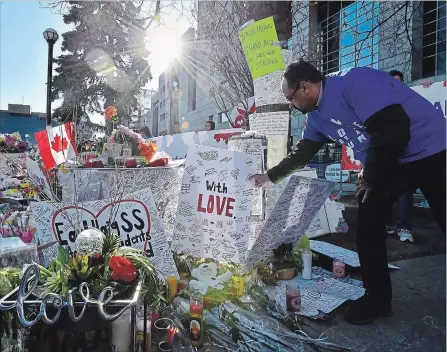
(217, 57)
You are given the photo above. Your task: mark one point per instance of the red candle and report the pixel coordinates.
(196, 308)
(171, 333)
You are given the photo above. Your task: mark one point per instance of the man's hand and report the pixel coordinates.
(363, 187)
(260, 179)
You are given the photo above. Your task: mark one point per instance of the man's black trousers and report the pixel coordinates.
(429, 175)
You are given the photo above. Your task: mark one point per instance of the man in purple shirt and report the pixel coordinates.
(399, 137)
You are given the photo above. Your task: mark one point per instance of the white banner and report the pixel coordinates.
(176, 145)
(213, 216)
(134, 217)
(434, 93)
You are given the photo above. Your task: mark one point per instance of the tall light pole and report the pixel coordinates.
(51, 37)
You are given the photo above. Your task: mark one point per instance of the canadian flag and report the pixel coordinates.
(56, 144)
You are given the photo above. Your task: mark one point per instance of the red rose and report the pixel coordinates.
(122, 269)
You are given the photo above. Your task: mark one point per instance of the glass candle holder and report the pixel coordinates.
(293, 298)
(163, 327)
(140, 322)
(196, 304)
(121, 332)
(339, 267)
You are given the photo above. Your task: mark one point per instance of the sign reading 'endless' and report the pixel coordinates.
(134, 218)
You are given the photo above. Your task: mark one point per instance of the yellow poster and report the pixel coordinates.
(262, 57)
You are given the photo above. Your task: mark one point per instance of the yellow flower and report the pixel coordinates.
(63, 169)
(238, 285)
(25, 185)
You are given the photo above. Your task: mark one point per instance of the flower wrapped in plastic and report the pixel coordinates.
(147, 150)
(111, 114)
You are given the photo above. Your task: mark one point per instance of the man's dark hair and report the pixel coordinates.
(397, 73)
(212, 123)
(301, 71)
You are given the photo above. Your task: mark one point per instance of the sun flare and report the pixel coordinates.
(164, 45)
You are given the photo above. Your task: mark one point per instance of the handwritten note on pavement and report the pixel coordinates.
(351, 258)
(294, 211)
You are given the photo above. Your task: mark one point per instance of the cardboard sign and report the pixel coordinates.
(213, 214)
(292, 215)
(133, 217)
(332, 173)
(257, 39)
(38, 176)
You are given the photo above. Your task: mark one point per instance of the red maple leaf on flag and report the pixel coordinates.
(59, 144)
(240, 121)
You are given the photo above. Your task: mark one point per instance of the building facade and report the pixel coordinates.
(405, 36)
(19, 118)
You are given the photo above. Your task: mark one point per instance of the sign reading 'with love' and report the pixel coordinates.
(134, 218)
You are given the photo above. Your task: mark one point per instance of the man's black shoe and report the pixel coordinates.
(365, 310)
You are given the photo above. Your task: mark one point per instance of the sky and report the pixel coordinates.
(24, 51)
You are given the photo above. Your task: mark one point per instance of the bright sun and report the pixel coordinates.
(164, 46)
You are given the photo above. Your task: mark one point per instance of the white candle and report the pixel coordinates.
(307, 264)
(121, 333)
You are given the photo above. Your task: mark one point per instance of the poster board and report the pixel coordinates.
(255, 146)
(165, 183)
(38, 176)
(134, 217)
(294, 211)
(213, 216)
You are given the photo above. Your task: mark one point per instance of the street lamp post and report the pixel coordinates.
(51, 37)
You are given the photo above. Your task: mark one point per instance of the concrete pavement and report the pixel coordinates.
(419, 321)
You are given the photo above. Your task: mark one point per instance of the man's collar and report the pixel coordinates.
(320, 95)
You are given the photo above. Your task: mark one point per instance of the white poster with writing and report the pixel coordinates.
(252, 146)
(294, 211)
(270, 123)
(38, 177)
(165, 183)
(177, 145)
(213, 215)
(134, 217)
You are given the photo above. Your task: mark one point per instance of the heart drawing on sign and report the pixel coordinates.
(129, 218)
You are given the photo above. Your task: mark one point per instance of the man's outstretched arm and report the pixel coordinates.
(304, 151)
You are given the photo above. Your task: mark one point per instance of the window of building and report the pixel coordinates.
(433, 38)
(162, 117)
(222, 117)
(359, 35)
(210, 118)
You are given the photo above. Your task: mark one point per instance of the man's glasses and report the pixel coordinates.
(289, 99)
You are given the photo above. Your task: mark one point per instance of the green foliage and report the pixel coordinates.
(104, 59)
(304, 242)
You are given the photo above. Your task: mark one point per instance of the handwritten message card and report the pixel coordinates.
(257, 39)
(270, 123)
(213, 214)
(294, 211)
(134, 217)
(252, 146)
